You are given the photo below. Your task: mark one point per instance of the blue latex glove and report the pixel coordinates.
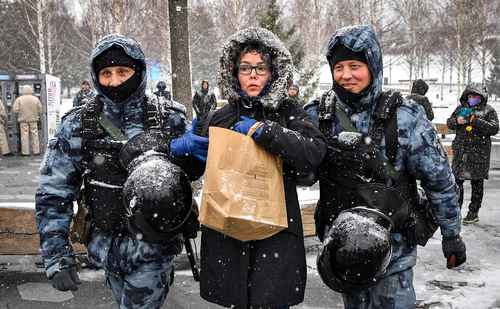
(190, 144)
(245, 124)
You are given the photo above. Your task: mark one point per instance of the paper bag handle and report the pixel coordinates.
(253, 128)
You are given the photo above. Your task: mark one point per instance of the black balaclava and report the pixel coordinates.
(116, 56)
(342, 53)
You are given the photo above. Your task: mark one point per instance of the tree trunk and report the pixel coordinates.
(179, 53)
(41, 36)
(118, 14)
(442, 79)
(50, 62)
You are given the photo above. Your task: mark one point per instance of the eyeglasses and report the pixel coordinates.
(246, 69)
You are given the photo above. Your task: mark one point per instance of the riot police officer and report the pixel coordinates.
(162, 91)
(129, 192)
(379, 143)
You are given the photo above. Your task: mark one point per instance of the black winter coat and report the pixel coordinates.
(424, 101)
(271, 272)
(471, 149)
(204, 102)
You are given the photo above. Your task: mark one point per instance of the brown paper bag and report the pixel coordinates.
(243, 193)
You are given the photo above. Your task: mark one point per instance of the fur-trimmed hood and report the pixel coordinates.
(282, 65)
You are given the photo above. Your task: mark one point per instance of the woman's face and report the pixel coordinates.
(253, 73)
(114, 76)
(352, 75)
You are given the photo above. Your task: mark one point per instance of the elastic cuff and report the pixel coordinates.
(58, 264)
(267, 133)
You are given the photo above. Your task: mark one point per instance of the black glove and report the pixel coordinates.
(454, 251)
(66, 279)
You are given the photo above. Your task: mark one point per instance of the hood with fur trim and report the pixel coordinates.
(281, 63)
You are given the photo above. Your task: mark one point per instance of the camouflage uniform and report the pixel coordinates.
(138, 272)
(311, 109)
(82, 96)
(419, 153)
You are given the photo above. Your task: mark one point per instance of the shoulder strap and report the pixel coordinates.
(386, 123)
(94, 123)
(110, 128)
(326, 112)
(391, 137)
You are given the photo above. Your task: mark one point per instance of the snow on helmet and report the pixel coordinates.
(357, 249)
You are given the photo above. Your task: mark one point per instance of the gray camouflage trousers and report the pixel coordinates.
(393, 292)
(141, 289)
(138, 274)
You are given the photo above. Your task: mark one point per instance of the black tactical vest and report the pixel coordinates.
(104, 176)
(387, 190)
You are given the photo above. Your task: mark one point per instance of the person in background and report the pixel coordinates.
(85, 93)
(28, 109)
(204, 101)
(474, 122)
(4, 143)
(418, 91)
(162, 91)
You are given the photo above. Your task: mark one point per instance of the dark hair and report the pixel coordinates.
(251, 47)
(257, 47)
(85, 82)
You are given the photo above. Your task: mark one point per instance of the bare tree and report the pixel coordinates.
(486, 29)
(415, 21)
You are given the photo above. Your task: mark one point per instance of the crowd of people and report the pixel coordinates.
(375, 153)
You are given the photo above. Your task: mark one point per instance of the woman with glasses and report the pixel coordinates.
(255, 71)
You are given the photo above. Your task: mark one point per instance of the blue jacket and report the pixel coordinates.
(420, 151)
(61, 172)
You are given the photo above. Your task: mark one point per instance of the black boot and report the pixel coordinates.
(471, 217)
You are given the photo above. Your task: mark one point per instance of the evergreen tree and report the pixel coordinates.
(493, 82)
(271, 20)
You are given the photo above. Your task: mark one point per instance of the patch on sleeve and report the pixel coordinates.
(432, 139)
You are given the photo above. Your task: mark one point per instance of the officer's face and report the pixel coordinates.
(352, 75)
(253, 73)
(115, 76)
(204, 85)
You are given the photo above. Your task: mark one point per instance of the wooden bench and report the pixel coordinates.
(18, 234)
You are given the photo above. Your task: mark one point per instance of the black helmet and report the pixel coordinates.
(161, 85)
(357, 249)
(157, 194)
